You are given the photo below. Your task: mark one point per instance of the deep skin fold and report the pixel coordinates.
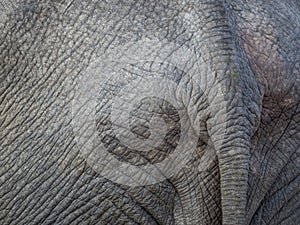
(44, 180)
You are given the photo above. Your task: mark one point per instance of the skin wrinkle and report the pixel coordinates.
(34, 123)
(264, 182)
(285, 200)
(289, 160)
(253, 45)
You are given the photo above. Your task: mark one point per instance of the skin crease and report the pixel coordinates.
(45, 46)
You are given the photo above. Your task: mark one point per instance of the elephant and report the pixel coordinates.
(150, 112)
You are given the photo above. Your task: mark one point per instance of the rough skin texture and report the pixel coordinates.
(46, 45)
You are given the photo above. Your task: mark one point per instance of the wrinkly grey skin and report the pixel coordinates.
(253, 50)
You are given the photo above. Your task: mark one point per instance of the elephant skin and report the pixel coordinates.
(150, 112)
